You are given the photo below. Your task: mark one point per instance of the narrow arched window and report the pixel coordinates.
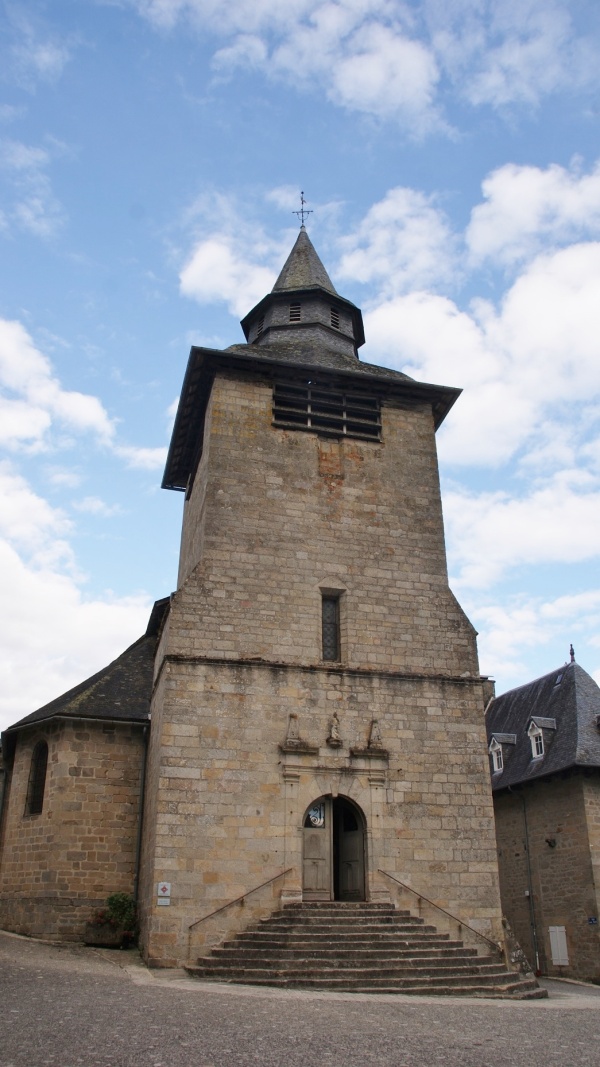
(37, 779)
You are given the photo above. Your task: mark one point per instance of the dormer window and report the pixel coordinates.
(537, 741)
(335, 318)
(535, 732)
(295, 312)
(495, 751)
(498, 751)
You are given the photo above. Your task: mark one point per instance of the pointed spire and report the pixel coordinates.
(303, 268)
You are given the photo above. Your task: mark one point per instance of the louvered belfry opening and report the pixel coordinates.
(326, 410)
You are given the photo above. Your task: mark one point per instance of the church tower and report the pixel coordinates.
(317, 720)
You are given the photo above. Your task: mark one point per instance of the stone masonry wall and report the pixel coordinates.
(59, 866)
(231, 805)
(591, 799)
(561, 875)
(276, 516)
(274, 519)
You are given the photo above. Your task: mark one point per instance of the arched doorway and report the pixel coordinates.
(333, 865)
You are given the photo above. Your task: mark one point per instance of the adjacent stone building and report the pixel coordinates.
(69, 834)
(317, 726)
(544, 744)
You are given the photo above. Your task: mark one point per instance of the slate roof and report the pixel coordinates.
(121, 691)
(303, 268)
(567, 699)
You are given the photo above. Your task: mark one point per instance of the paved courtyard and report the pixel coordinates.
(67, 1007)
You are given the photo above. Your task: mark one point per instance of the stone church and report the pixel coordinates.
(304, 718)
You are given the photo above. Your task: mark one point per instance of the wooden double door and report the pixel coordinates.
(333, 862)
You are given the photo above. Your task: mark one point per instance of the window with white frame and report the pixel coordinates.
(495, 751)
(537, 741)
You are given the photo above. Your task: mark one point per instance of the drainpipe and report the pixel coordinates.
(530, 885)
(138, 845)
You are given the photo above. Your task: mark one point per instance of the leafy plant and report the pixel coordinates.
(121, 910)
(118, 913)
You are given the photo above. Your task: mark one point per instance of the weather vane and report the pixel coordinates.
(303, 213)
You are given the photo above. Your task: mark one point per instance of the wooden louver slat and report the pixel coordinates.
(326, 410)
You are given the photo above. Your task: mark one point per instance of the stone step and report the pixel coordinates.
(353, 979)
(348, 927)
(307, 951)
(306, 912)
(521, 990)
(347, 919)
(347, 937)
(390, 967)
(357, 947)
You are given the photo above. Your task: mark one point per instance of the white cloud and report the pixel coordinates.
(149, 459)
(45, 617)
(389, 75)
(93, 505)
(217, 271)
(526, 208)
(512, 632)
(52, 636)
(403, 243)
(490, 533)
(33, 404)
(520, 363)
(34, 398)
(63, 477)
(386, 58)
(509, 52)
(33, 54)
(247, 50)
(8, 112)
(32, 206)
(363, 54)
(26, 520)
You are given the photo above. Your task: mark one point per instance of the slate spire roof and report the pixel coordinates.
(303, 268)
(565, 705)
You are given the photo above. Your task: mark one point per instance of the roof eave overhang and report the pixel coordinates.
(186, 441)
(569, 768)
(11, 731)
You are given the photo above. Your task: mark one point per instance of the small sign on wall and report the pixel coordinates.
(163, 893)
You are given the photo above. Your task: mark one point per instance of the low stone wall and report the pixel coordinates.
(50, 918)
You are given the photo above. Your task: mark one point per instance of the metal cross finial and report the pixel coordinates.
(303, 213)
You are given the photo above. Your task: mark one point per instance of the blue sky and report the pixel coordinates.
(151, 155)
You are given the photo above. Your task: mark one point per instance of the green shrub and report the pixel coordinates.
(120, 908)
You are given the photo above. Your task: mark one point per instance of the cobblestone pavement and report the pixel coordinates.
(80, 1007)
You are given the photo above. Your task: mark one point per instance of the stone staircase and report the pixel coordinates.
(359, 948)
